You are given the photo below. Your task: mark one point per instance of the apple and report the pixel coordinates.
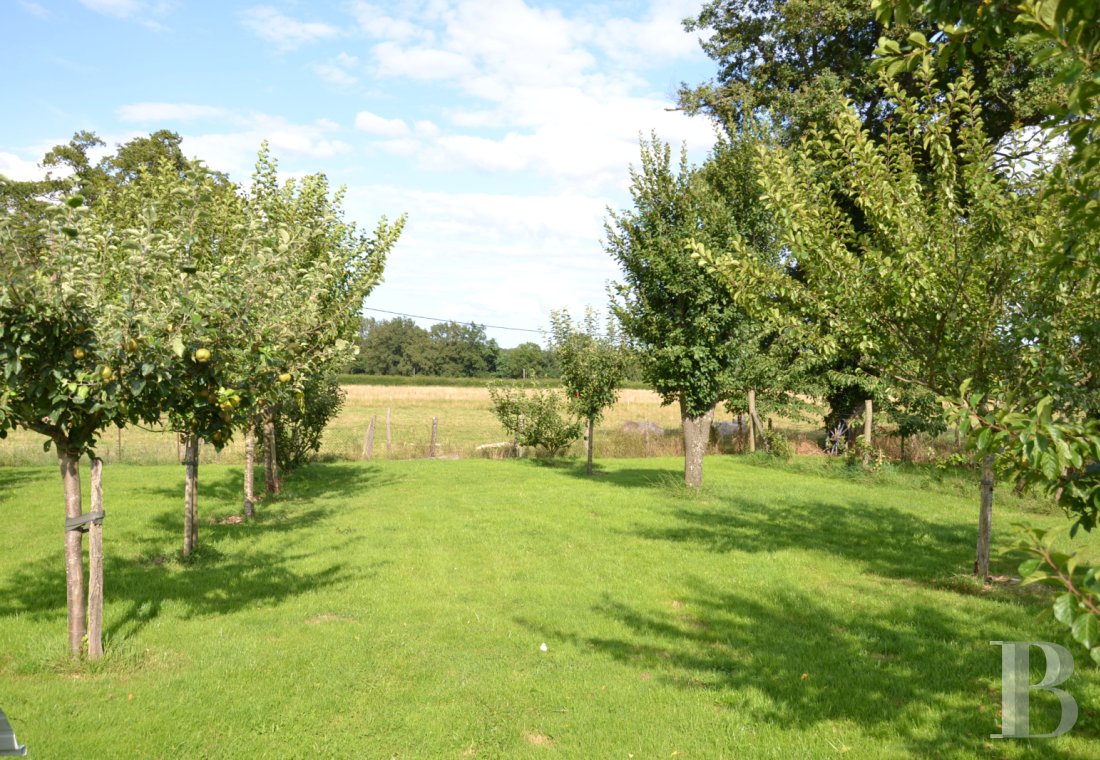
(202, 355)
(107, 374)
(78, 353)
(285, 377)
(131, 345)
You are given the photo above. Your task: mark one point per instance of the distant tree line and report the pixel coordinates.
(448, 349)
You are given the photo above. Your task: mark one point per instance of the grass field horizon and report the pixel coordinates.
(398, 608)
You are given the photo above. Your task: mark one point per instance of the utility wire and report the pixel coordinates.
(440, 319)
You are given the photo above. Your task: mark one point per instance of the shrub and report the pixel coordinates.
(777, 444)
(534, 417)
(299, 427)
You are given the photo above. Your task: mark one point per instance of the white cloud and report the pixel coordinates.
(338, 70)
(118, 8)
(146, 112)
(531, 253)
(140, 11)
(19, 169)
(558, 96)
(373, 124)
(375, 22)
(286, 32)
(34, 9)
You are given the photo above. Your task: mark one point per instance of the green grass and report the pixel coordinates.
(396, 609)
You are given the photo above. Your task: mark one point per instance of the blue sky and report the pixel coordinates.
(504, 128)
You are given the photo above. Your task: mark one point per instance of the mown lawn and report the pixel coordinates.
(396, 609)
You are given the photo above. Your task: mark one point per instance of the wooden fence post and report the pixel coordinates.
(389, 435)
(368, 440)
(752, 421)
(867, 411)
(435, 433)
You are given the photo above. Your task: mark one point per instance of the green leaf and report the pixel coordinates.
(1086, 630)
(1065, 608)
(177, 346)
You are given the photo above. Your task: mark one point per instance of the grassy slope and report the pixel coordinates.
(396, 610)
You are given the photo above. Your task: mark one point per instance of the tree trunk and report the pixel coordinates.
(590, 426)
(756, 427)
(74, 549)
(985, 520)
(95, 565)
(190, 494)
(696, 436)
(271, 462)
(249, 471)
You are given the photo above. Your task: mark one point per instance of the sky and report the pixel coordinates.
(504, 129)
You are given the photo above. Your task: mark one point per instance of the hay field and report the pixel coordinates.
(464, 422)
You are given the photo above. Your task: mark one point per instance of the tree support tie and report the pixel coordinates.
(80, 524)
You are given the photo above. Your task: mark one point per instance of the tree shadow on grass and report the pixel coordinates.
(912, 672)
(12, 480)
(624, 478)
(883, 540)
(226, 485)
(212, 582)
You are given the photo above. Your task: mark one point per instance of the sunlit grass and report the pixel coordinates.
(396, 609)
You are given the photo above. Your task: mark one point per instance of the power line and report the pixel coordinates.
(440, 319)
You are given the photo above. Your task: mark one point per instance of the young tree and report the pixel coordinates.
(592, 364)
(930, 280)
(689, 337)
(71, 306)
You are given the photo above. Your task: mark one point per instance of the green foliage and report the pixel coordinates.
(527, 361)
(777, 445)
(391, 347)
(300, 425)
(864, 455)
(1078, 607)
(910, 247)
(690, 339)
(535, 417)
(1038, 447)
(592, 362)
(459, 350)
(796, 58)
(1064, 36)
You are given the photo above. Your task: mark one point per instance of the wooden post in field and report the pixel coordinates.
(368, 440)
(752, 421)
(249, 470)
(389, 435)
(516, 448)
(867, 411)
(435, 432)
(95, 564)
(120, 444)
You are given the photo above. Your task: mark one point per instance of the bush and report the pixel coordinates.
(777, 444)
(299, 427)
(865, 455)
(535, 418)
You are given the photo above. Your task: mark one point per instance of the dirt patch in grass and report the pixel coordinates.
(537, 739)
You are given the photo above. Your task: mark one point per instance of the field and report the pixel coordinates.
(464, 423)
(397, 609)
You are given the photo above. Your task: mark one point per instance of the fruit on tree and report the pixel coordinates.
(285, 377)
(78, 353)
(107, 374)
(202, 355)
